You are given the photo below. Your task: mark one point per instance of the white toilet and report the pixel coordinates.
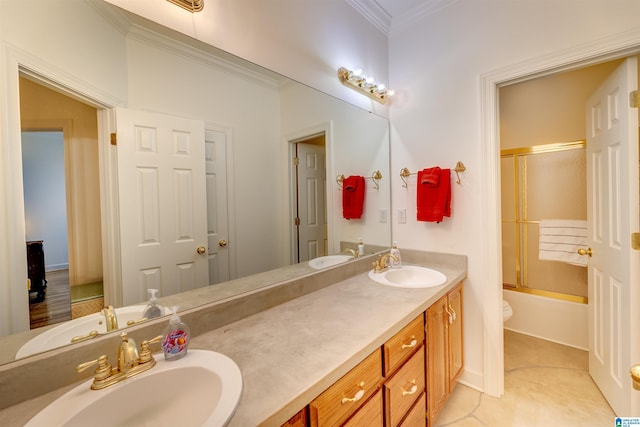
(507, 311)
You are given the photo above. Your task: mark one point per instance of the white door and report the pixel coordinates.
(312, 214)
(162, 203)
(612, 187)
(217, 212)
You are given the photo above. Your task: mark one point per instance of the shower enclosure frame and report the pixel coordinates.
(521, 220)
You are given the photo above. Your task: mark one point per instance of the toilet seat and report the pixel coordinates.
(507, 311)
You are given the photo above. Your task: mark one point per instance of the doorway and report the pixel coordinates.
(549, 110)
(309, 198)
(60, 145)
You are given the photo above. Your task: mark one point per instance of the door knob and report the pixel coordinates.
(585, 252)
(635, 375)
(201, 250)
(222, 243)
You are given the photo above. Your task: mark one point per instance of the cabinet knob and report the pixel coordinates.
(413, 343)
(412, 390)
(359, 394)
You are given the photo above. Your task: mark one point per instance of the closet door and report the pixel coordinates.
(162, 202)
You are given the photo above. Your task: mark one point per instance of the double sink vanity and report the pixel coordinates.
(332, 347)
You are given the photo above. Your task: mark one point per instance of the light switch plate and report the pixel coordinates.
(382, 216)
(402, 216)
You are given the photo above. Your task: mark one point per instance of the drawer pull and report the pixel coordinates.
(412, 390)
(412, 344)
(359, 394)
(450, 314)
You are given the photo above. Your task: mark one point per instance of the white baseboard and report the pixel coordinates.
(56, 267)
(474, 380)
(563, 322)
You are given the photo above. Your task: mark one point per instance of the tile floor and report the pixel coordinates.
(545, 384)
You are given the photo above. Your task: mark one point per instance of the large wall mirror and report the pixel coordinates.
(256, 123)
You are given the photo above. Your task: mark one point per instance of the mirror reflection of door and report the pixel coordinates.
(60, 134)
(311, 213)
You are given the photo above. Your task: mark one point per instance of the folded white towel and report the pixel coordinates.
(560, 240)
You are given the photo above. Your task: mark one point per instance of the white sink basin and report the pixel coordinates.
(201, 389)
(328, 261)
(409, 276)
(63, 333)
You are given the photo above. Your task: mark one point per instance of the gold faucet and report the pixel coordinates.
(110, 317)
(130, 362)
(351, 251)
(383, 262)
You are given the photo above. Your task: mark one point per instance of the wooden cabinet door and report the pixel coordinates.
(437, 357)
(455, 336)
(370, 414)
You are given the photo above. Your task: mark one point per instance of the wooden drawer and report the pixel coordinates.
(404, 387)
(418, 414)
(369, 415)
(344, 397)
(298, 420)
(403, 344)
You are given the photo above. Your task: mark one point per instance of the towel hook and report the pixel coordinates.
(376, 177)
(339, 180)
(404, 174)
(460, 167)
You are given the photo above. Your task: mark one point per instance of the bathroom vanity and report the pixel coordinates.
(335, 330)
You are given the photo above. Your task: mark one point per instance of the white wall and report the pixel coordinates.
(436, 68)
(45, 200)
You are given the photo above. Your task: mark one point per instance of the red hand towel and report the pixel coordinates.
(434, 201)
(353, 197)
(430, 176)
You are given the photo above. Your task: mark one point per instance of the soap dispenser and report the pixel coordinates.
(152, 310)
(176, 338)
(397, 262)
(360, 247)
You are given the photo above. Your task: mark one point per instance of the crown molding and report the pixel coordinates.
(204, 54)
(374, 13)
(419, 12)
(112, 14)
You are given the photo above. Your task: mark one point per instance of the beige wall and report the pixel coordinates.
(45, 109)
(549, 109)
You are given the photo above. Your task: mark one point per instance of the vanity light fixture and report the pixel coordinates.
(358, 81)
(190, 5)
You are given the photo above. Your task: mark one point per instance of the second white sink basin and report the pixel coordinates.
(201, 389)
(63, 333)
(328, 261)
(409, 276)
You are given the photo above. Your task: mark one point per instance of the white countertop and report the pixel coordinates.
(291, 353)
